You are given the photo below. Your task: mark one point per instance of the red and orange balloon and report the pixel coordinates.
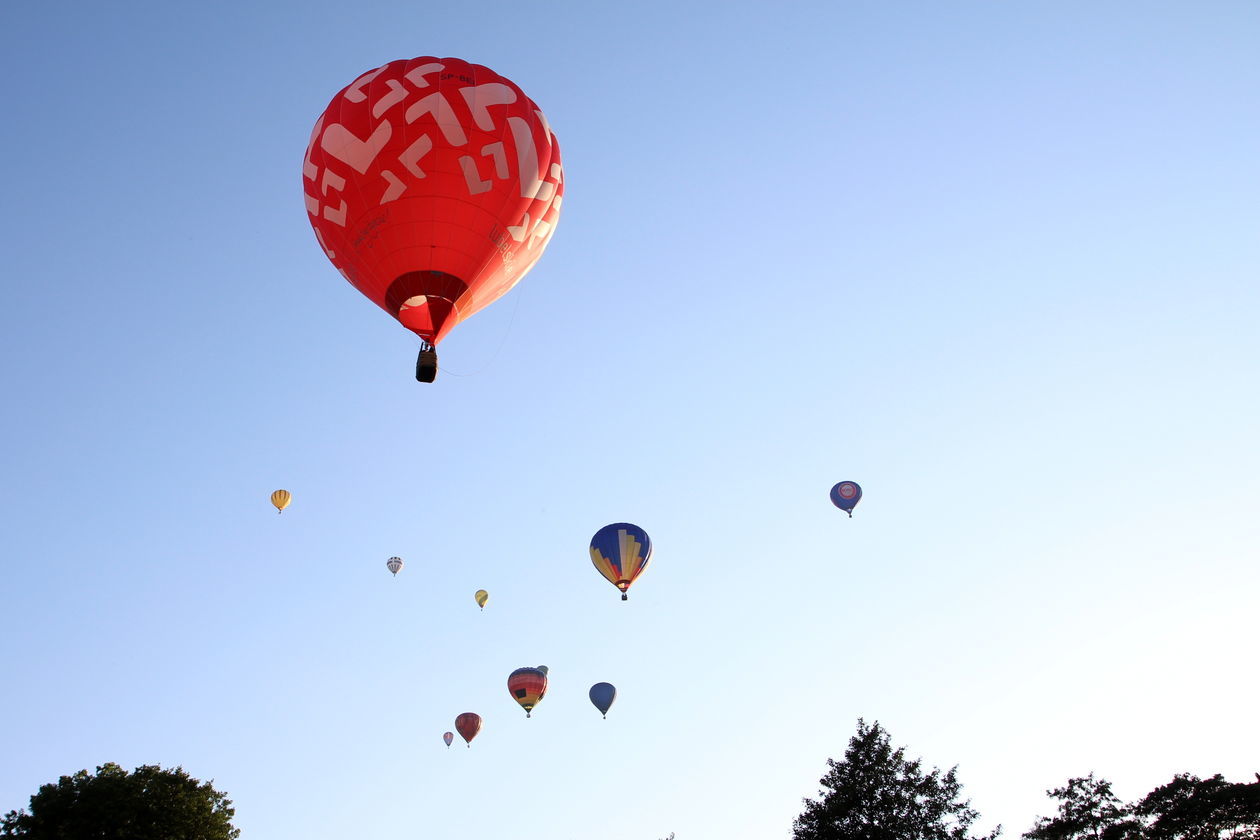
(528, 686)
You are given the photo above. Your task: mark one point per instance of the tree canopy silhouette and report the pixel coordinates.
(1088, 810)
(1186, 808)
(876, 793)
(112, 804)
(1190, 808)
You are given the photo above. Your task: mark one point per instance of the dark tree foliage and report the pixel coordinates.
(112, 804)
(1190, 808)
(1088, 810)
(1187, 808)
(875, 793)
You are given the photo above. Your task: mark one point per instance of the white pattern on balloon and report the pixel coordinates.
(547, 218)
(411, 155)
(355, 91)
(518, 232)
(541, 231)
(332, 179)
(535, 227)
(496, 151)
(436, 104)
(341, 143)
(338, 216)
(397, 93)
(309, 169)
(546, 126)
(526, 156)
(472, 177)
(481, 97)
(397, 186)
(417, 74)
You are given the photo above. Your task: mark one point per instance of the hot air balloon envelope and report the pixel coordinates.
(433, 186)
(448, 737)
(468, 725)
(394, 564)
(621, 552)
(602, 695)
(846, 495)
(281, 499)
(527, 687)
(482, 596)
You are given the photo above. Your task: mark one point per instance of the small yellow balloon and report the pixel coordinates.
(482, 596)
(281, 499)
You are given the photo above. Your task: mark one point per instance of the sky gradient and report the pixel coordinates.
(998, 263)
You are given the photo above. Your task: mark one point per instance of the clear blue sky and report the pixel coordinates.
(998, 262)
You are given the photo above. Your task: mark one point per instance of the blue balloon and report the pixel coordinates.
(603, 695)
(846, 495)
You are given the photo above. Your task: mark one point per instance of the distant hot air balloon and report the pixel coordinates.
(281, 499)
(846, 495)
(482, 596)
(621, 552)
(394, 564)
(527, 686)
(603, 695)
(468, 725)
(448, 737)
(433, 186)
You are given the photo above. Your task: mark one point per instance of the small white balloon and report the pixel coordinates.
(394, 564)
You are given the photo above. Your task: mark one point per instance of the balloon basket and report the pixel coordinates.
(426, 364)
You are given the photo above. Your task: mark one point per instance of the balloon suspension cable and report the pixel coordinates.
(502, 341)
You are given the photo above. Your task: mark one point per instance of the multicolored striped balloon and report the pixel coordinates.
(621, 552)
(528, 686)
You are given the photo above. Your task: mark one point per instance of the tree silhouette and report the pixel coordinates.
(112, 804)
(875, 793)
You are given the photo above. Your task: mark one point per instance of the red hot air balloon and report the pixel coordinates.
(468, 725)
(433, 185)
